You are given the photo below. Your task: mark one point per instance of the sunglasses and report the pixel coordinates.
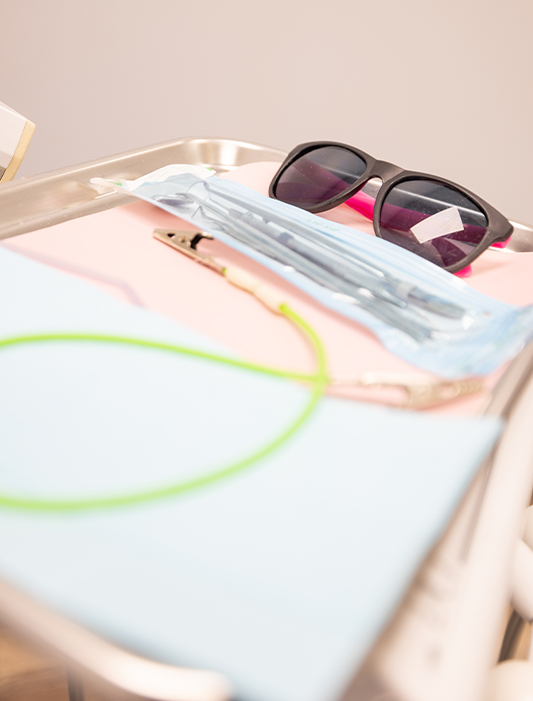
(432, 217)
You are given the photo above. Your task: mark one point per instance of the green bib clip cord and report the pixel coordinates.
(317, 381)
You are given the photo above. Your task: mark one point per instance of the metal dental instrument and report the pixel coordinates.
(415, 295)
(420, 393)
(321, 255)
(402, 319)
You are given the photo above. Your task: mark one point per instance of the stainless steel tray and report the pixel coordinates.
(43, 200)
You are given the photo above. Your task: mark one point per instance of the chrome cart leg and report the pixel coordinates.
(75, 687)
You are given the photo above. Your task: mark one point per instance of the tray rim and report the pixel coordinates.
(45, 199)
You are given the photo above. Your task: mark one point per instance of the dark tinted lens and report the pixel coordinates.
(433, 220)
(318, 176)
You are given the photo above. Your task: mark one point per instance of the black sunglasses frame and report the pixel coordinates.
(499, 228)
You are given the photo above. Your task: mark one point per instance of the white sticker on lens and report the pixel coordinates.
(447, 221)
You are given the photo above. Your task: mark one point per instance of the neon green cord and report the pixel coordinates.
(318, 381)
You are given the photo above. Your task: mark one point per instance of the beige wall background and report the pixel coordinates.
(439, 86)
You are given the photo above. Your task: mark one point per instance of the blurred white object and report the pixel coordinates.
(15, 135)
(528, 527)
(522, 598)
(511, 681)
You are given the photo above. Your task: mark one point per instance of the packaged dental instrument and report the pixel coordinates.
(421, 313)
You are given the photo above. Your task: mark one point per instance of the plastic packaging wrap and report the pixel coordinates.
(419, 312)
